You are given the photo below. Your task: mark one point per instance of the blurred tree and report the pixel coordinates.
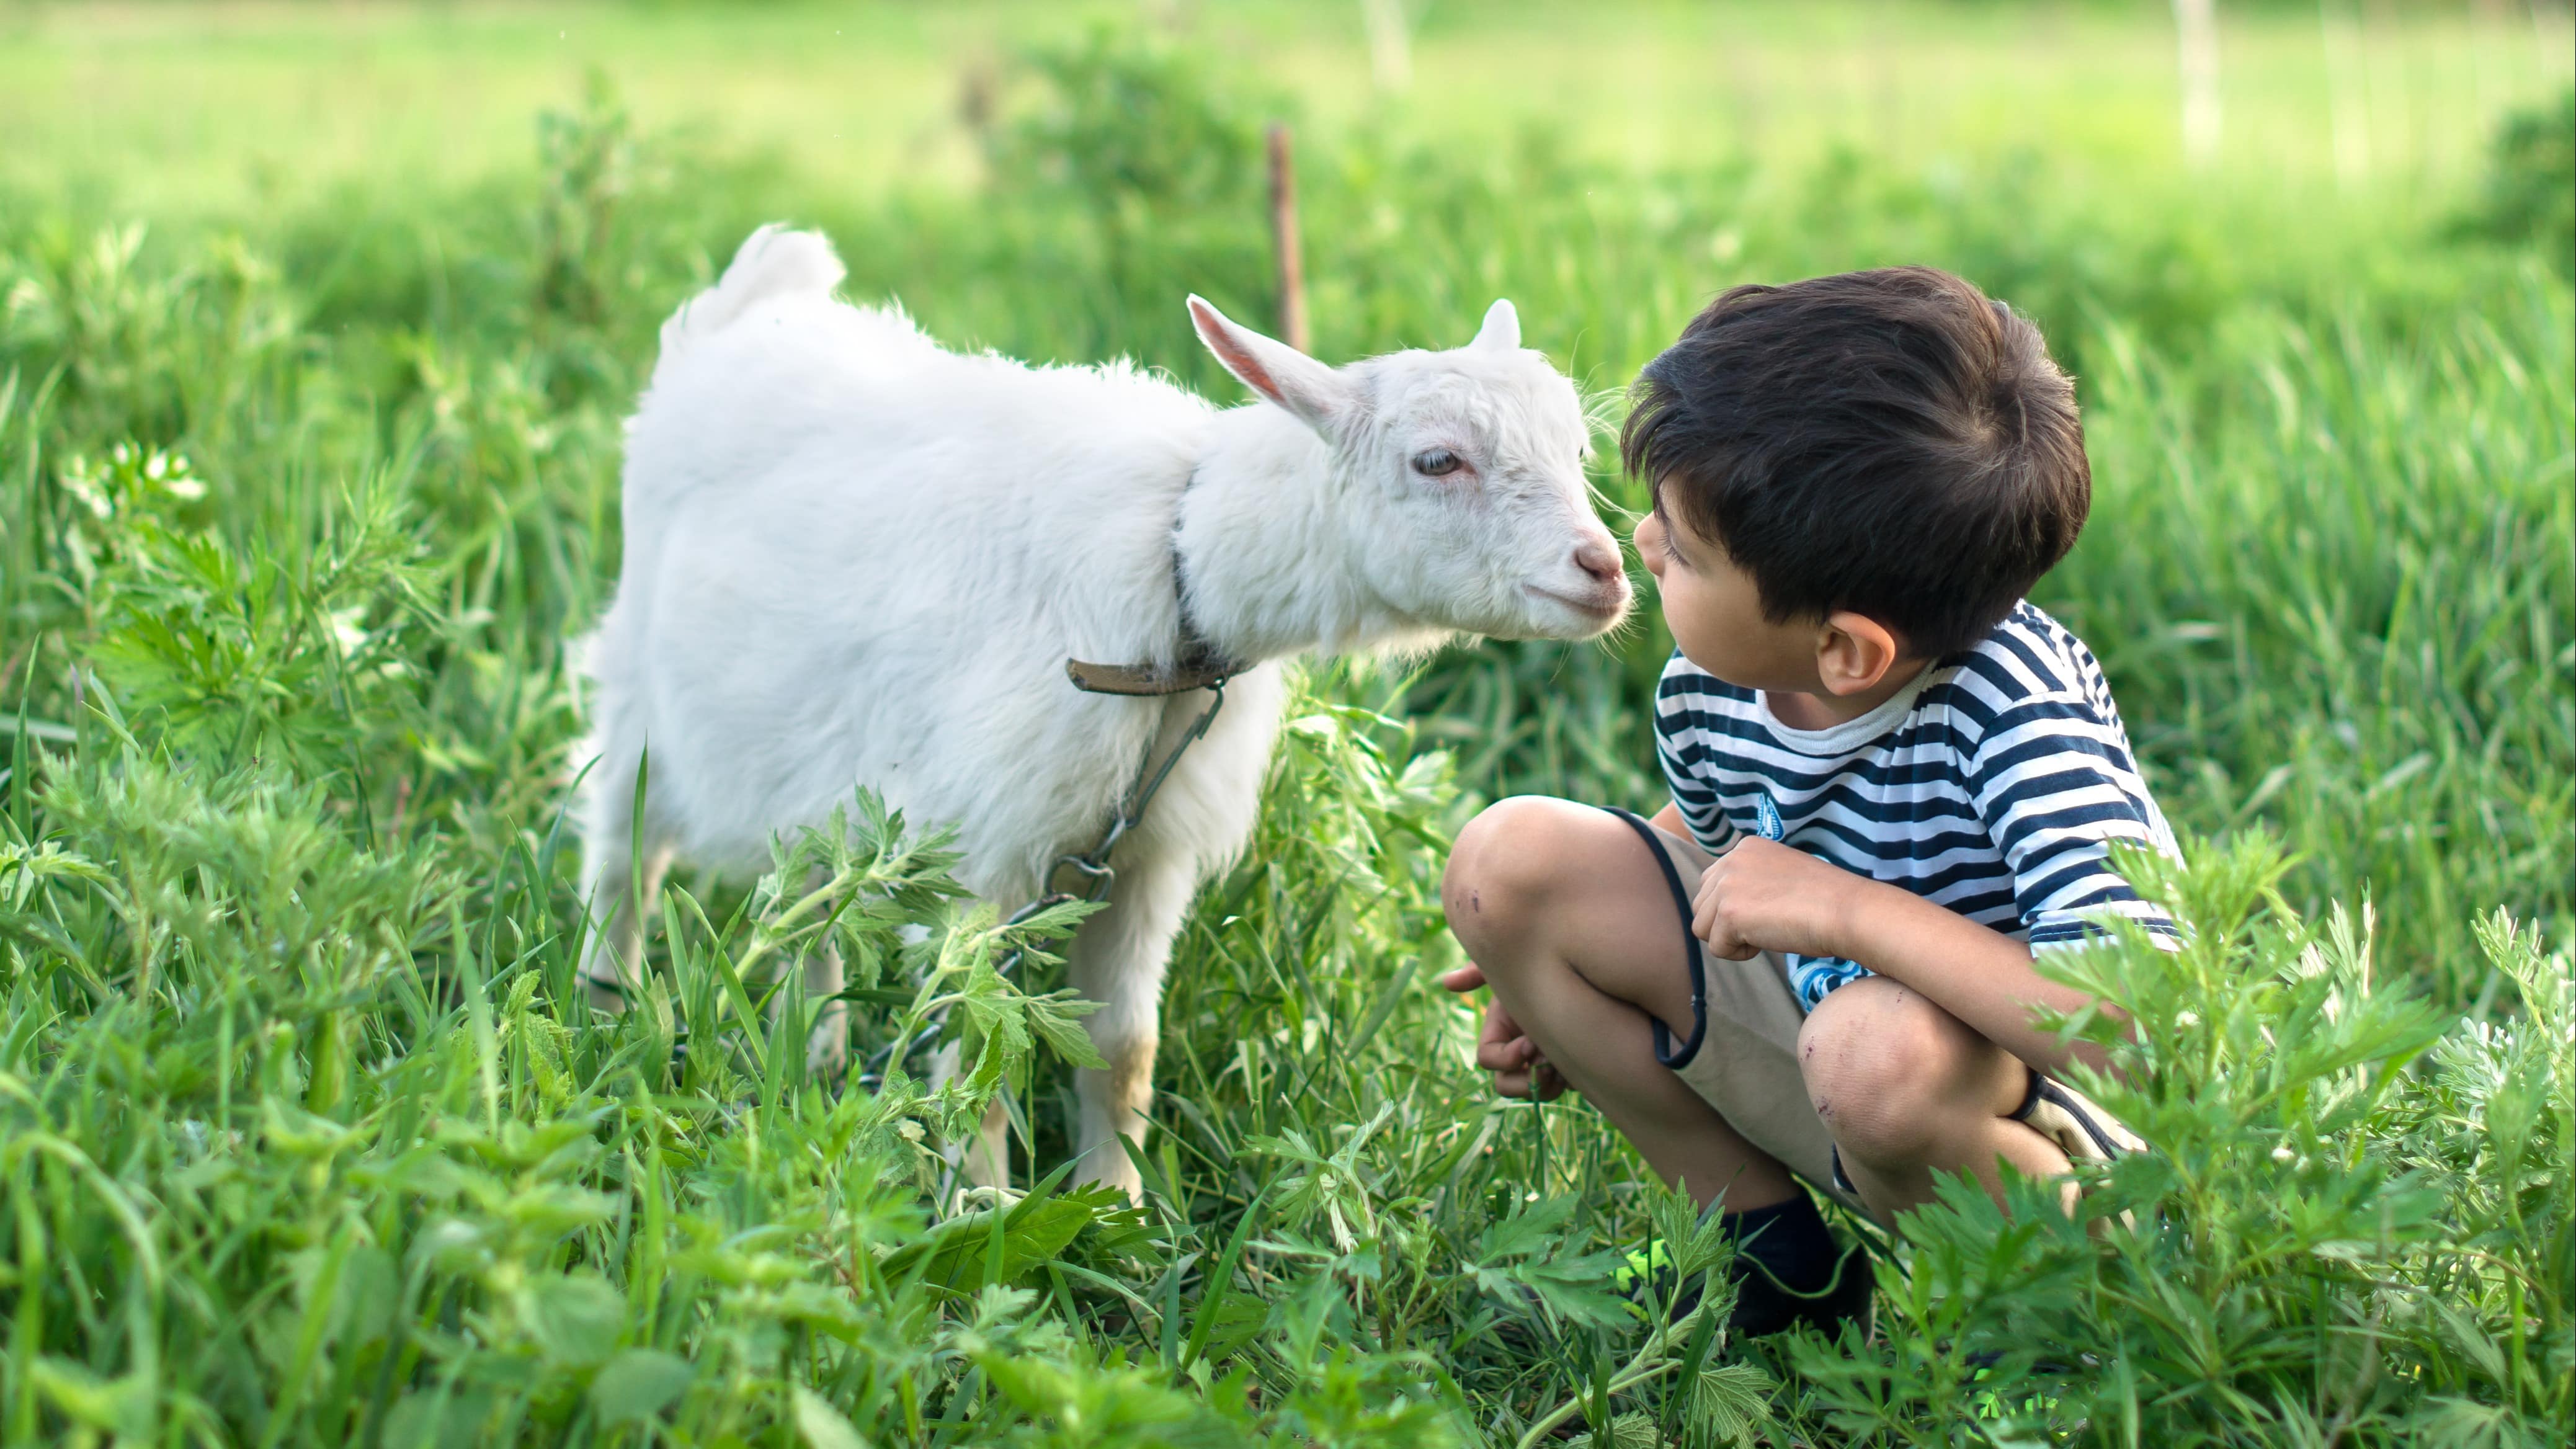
(2530, 193)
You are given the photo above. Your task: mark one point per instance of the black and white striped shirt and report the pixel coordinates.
(1992, 784)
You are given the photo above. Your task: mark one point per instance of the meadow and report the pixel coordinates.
(317, 325)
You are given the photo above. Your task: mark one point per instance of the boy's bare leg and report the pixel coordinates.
(1564, 913)
(1906, 1088)
(1567, 916)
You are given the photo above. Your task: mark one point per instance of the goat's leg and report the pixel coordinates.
(1118, 961)
(988, 1159)
(985, 1159)
(827, 1040)
(611, 970)
(827, 1045)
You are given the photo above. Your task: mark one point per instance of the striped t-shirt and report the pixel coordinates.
(1992, 784)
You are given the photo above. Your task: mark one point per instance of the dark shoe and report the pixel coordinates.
(1763, 1304)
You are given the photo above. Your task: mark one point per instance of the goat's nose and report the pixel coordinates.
(1599, 558)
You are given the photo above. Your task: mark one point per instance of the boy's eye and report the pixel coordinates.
(1664, 541)
(1436, 463)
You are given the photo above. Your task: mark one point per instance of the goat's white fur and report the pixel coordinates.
(853, 557)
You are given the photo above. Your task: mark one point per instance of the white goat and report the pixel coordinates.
(853, 557)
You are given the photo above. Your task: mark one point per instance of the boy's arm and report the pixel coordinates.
(1762, 895)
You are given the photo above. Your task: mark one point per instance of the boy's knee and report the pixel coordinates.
(1505, 863)
(1884, 1067)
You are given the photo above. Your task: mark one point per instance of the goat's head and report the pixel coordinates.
(1461, 475)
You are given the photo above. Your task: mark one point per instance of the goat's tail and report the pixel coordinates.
(773, 262)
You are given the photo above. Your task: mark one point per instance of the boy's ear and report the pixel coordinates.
(1316, 395)
(1854, 652)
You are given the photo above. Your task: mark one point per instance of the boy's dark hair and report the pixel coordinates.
(1889, 442)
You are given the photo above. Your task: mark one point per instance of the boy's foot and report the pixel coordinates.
(1788, 1271)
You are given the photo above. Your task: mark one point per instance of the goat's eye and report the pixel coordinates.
(1437, 463)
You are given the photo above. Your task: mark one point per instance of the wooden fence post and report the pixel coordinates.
(1283, 241)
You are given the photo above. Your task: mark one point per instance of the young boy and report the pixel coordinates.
(1892, 780)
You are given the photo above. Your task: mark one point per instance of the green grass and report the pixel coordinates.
(315, 344)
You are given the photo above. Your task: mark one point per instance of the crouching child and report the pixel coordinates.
(1892, 781)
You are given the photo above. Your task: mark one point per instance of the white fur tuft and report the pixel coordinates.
(771, 262)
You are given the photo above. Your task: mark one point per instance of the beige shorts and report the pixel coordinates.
(1742, 1059)
(1742, 1055)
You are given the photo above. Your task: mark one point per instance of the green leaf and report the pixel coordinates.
(1056, 1018)
(1527, 1230)
(822, 1425)
(953, 1255)
(1578, 1287)
(638, 1384)
(121, 1406)
(1632, 1430)
(1220, 1283)
(575, 1319)
(368, 1294)
(1726, 1401)
(438, 1420)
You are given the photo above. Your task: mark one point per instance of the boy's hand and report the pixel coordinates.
(1765, 896)
(1502, 1048)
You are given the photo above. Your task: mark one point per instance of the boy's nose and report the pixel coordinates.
(1647, 554)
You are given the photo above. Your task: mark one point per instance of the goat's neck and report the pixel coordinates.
(1266, 549)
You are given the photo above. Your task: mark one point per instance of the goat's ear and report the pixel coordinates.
(1311, 392)
(1502, 329)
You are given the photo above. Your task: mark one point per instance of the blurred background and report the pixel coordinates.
(212, 107)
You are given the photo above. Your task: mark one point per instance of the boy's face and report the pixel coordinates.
(1715, 611)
